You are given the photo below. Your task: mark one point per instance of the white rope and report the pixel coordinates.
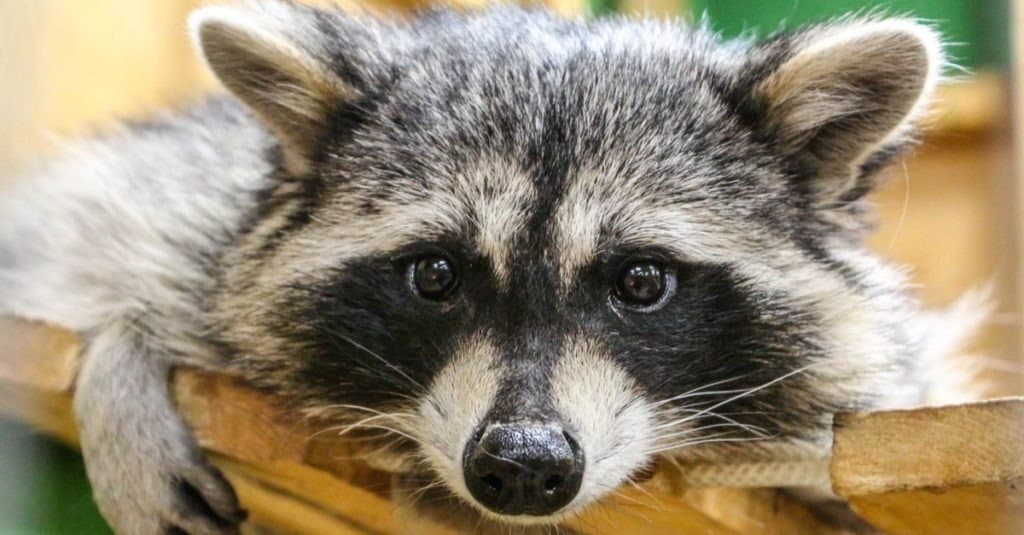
(810, 473)
(766, 465)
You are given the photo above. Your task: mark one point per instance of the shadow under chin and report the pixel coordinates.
(439, 505)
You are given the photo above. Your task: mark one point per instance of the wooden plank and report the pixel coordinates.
(957, 469)
(272, 510)
(986, 509)
(37, 370)
(761, 511)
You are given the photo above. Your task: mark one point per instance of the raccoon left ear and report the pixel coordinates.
(272, 57)
(844, 98)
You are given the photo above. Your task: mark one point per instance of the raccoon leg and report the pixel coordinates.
(147, 472)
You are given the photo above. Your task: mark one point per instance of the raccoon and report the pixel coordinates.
(536, 253)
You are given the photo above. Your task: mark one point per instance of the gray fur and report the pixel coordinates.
(118, 240)
(208, 237)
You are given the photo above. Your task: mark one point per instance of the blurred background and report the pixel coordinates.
(950, 213)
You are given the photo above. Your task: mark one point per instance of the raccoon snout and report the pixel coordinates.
(522, 469)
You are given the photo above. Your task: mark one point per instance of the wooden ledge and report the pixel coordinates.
(945, 470)
(957, 469)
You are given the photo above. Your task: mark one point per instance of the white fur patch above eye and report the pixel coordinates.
(690, 229)
(613, 420)
(496, 199)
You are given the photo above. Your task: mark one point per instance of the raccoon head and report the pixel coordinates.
(538, 253)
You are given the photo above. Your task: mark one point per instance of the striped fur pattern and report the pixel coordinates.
(270, 234)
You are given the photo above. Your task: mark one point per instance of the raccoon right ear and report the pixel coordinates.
(269, 55)
(841, 100)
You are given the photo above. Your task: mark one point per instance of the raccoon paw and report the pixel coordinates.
(148, 474)
(169, 490)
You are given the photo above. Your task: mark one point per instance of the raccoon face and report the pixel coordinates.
(538, 254)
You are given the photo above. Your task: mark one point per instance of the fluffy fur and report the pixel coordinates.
(269, 234)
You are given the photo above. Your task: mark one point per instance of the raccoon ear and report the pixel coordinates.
(844, 99)
(267, 54)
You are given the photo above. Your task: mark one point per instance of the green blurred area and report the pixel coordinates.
(978, 30)
(43, 487)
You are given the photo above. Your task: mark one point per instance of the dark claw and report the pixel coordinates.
(234, 514)
(193, 503)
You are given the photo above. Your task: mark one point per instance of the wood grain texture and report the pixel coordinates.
(943, 446)
(957, 469)
(984, 509)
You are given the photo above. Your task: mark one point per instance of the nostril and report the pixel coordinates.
(493, 483)
(552, 484)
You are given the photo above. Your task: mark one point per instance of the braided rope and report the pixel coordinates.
(810, 473)
(766, 465)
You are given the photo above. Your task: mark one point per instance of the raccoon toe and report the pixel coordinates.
(207, 489)
(204, 503)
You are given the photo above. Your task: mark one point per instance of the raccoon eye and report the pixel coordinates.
(642, 283)
(433, 277)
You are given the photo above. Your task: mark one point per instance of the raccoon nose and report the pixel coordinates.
(523, 469)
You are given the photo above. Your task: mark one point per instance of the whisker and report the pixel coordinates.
(754, 429)
(652, 501)
(701, 389)
(699, 442)
(395, 431)
(698, 430)
(418, 495)
(748, 392)
(384, 361)
(362, 424)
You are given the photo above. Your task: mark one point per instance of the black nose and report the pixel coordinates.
(523, 469)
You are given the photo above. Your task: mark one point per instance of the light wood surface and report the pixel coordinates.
(957, 469)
